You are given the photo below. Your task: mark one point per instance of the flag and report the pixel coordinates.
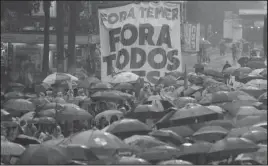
(185, 78)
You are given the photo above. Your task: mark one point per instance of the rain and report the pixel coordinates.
(133, 82)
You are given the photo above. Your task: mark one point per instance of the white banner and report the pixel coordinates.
(142, 38)
(192, 37)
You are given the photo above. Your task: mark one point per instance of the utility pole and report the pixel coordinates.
(60, 35)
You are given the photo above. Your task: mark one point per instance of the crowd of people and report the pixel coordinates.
(46, 127)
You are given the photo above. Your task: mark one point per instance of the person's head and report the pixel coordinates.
(113, 119)
(227, 62)
(49, 93)
(103, 122)
(22, 123)
(122, 109)
(58, 129)
(103, 106)
(80, 92)
(59, 94)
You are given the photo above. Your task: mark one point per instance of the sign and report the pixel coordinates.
(142, 38)
(192, 37)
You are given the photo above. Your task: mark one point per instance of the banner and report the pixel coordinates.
(192, 37)
(141, 38)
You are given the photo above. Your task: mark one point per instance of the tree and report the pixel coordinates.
(60, 35)
(45, 66)
(71, 34)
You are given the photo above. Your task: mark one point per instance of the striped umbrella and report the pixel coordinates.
(59, 77)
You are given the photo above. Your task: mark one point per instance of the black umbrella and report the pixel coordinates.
(26, 140)
(188, 115)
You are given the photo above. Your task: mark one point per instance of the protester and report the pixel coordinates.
(222, 48)
(226, 76)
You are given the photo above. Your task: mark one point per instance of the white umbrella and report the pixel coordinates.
(125, 77)
(59, 77)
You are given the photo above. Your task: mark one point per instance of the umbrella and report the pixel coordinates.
(131, 161)
(26, 140)
(217, 109)
(262, 124)
(159, 153)
(259, 83)
(195, 152)
(108, 114)
(54, 142)
(143, 142)
(183, 131)
(4, 113)
(59, 100)
(242, 71)
(238, 132)
(72, 112)
(233, 107)
(143, 112)
(217, 97)
(39, 101)
(28, 116)
(59, 77)
(126, 127)
(15, 85)
(227, 147)
(260, 157)
(186, 116)
(124, 77)
(256, 64)
(256, 136)
(98, 141)
(168, 136)
(88, 82)
(49, 106)
(226, 124)
(160, 104)
(168, 80)
(176, 74)
(258, 72)
(245, 111)
(13, 95)
(213, 73)
(125, 95)
(229, 70)
(124, 86)
(175, 162)
(11, 149)
(250, 120)
(43, 120)
(210, 133)
(218, 87)
(155, 97)
(19, 105)
(263, 98)
(192, 89)
(182, 101)
(240, 95)
(107, 95)
(81, 153)
(44, 154)
(47, 113)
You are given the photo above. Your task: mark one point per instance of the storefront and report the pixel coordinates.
(28, 48)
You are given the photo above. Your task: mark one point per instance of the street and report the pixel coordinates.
(216, 61)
